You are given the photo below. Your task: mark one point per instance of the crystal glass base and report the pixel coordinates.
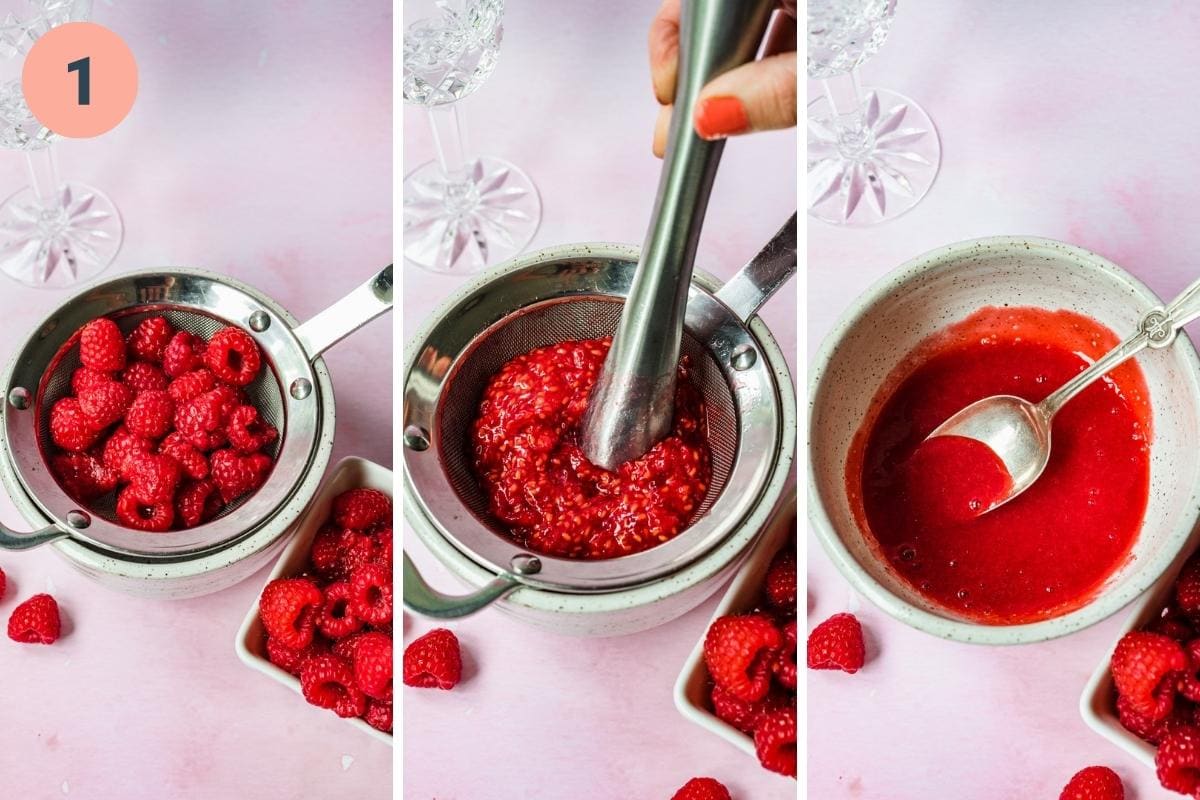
(881, 174)
(462, 229)
(57, 247)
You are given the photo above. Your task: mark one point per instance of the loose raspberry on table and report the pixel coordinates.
(738, 652)
(336, 618)
(105, 403)
(197, 503)
(85, 378)
(151, 414)
(83, 476)
(371, 593)
(702, 789)
(775, 741)
(142, 376)
(233, 356)
(122, 444)
(1094, 783)
(101, 346)
(35, 621)
(142, 516)
(433, 661)
(190, 385)
(361, 508)
(1145, 668)
(328, 681)
(184, 353)
(782, 583)
(784, 665)
(373, 665)
(236, 475)
(837, 643)
(288, 608)
(70, 428)
(379, 715)
(1178, 760)
(193, 462)
(149, 339)
(247, 431)
(3, 583)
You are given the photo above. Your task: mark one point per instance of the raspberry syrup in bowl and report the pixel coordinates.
(542, 488)
(1048, 550)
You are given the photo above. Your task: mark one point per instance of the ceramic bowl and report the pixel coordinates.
(945, 286)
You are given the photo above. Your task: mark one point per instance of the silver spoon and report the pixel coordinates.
(1018, 431)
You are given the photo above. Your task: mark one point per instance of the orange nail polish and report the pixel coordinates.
(718, 117)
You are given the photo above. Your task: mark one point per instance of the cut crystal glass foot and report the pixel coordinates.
(877, 176)
(463, 229)
(59, 246)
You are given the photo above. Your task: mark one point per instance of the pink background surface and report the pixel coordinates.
(259, 146)
(1056, 120)
(540, 716)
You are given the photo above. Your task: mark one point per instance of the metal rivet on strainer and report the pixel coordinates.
(525, 564)
(301, 388)
(744, 357)
(78, 519)
(260, 321)
(19, 398)
(416, 438)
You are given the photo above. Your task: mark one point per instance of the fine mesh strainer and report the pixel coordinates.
(547, 298)
(202, 303)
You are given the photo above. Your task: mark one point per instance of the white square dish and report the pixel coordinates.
(349, 473)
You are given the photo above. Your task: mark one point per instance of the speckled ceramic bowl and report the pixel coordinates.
(945, 286)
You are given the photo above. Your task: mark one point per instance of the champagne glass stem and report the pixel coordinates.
(43, 176)
(845, 98)
(449, 138)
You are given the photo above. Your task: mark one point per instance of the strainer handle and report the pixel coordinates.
(421, 598)
(347, 315)
(754, 284)
(15, 540)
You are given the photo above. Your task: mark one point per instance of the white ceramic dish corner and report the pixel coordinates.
(349, 473)
(691, 687)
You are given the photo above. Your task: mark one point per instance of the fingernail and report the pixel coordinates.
(718, 117)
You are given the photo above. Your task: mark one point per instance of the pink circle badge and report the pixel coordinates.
(80, 80)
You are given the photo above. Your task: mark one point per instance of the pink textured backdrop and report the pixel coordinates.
(1057, 120)
(259, 146)
(542, 717)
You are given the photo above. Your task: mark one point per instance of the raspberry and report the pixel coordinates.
(1178, 760)
(288, 608)
(3, 583)
(247, 432)
(84, 477)
(702, 789)
(384, 543)
(1187, 588)
(837, 643)
(150, 414)
(1144, 727)
(379, 715)
(784, 665)
(101, 346)
(336, 552)
(371, 594)
(197, 503)
(149, 517)
(361, 508)
(1173, 627)
(289, 659)
(202, 420)
(35, 621)
(85, 378)
(738, 652)
(782, 582)
(347, 645)
(373, 665)
(153, 478)
(433, 660)
(105, 403)
(233, 356)
(70, 428)
(336, 619)
(1093, 783)
(184, 353)
(190, 385)
(193, 462)
(149, 339)
(142, 376)
(236, 475)
(328, 681)
(1145, 667)
(775, 741)
(120, 446)
(740, 714)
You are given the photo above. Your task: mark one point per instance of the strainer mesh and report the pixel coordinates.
(551, 322)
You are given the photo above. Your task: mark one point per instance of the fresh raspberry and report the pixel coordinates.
(193, 462)
(702, 789)
(1178, 760)
(336, 552)
(202, 419)
(83, 476)
(1144, 727)
(336, 618)
(1093, 783)
(837, 643)
(740, 714)
(288, 608)
(233, 356)
(1187, 588)
(105, 403)
(149, 339)
(150, 414)
(782, 582)
(290, 659)
(236, 475)
(1145, 668)
(35, 621)
(190, 385)
(433, 660)
(120, 446)
(784, 665)
(247, 432)
(149, 517)
(384, 543)
(361, 508)
(328, 681)
(3, 583)
(1173, 627)
(70, 428)
(373, 665)
(775, 741)
(184, 353)
(371, 594)
(85, 378)
(379, 715)
(197, 503)
(101, 346)
(738, 652)
(153, 478)
(348, 645)
(142, 376)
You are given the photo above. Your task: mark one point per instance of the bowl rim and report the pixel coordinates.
(943, 259)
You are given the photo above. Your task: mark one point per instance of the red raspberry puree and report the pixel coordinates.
(1048, 550)
(528, 457)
